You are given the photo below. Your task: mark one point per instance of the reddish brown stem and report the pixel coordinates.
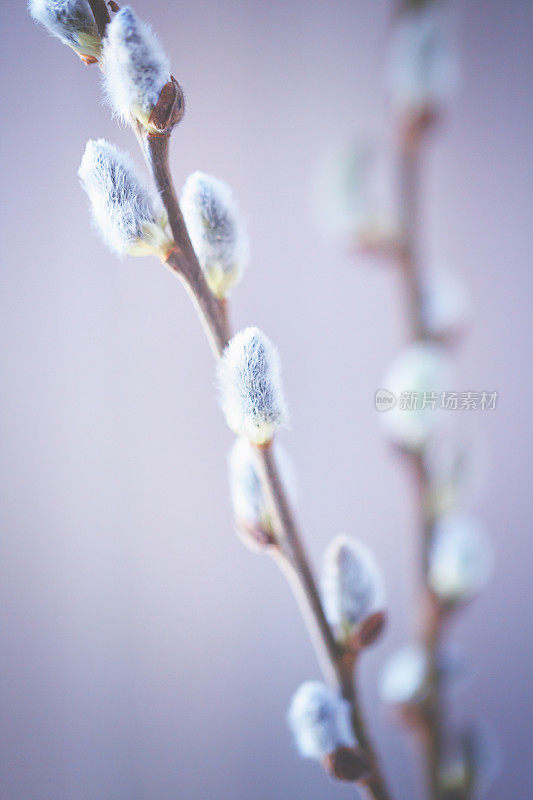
(288, 550)
(292, 557)
(431, 718)
(100, 14)
(182, 259)
(375, 784)
(408, 250)
(293, 561)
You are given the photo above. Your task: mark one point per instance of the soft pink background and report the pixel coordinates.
(145, 654)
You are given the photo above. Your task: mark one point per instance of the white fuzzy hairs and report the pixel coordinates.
(249, 503)
(423, 69)
(404, 676)
(247, 496)
(135, 66)
(216, 231)
(461, 557)
(352, 585)
(421, 368)
(72, 21)
(319, 720)
(127, 214)
(251, 392)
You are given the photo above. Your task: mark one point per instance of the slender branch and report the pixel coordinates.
(294, 563)
(407, 252)
(182, 260)
(288, 552)
(433, 712)
(431, 718)
(375, 784)
(292, 558)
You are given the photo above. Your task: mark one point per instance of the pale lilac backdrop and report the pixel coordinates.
(145, 655)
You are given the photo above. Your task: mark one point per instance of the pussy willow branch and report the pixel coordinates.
(375, 784)
(290, 554)
(411, 136)
(182, 260)
(293, 561)
(288, 551)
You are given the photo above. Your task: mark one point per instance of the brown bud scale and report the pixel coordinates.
(371, 629)
(169, 109)
(346, 764)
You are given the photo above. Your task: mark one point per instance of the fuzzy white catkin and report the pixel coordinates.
(343, 190)
(444, 302)
(249, 503)
(216, 230)
(127, 214)
(135, 67)
(460, 559)
(72, 21)
(423, 68)
(352, 585)
(404, 675)
(425, 370)
(319, 720)
(251, 392)
(475, 759)
(457, 466)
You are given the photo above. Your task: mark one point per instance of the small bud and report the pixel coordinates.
(461, 558)
(453, 780)
(319, 720)
(444, 303)
(423, 70)
(371, 629)
(127, 214)
(250, 506)
(457, 467)
(251, 392)
(137, 75)
(353, 591)
(457, 767)
(403, 679)
(73, 22)
(416, 378)
(345, 196)
(216, 231)
(347, 764)
(471, 762)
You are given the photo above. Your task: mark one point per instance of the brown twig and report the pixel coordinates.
(182, 260)
(291, 556)
(407, 253)
(337, 665)
(100, 14)
(287, 546)
(375, 783)
(288, 550)
(430, 720)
